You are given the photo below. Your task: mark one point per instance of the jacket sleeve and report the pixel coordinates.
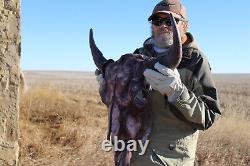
(199, 106)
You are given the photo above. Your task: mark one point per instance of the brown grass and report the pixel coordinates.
(63, 122)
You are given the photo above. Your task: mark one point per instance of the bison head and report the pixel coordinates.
(124, 91)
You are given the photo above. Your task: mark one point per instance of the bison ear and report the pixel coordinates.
(105, 65)
(100, 61)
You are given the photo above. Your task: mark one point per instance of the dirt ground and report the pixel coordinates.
(63, 122)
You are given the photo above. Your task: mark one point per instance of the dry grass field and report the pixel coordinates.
(63, 122)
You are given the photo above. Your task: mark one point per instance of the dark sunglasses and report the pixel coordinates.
(158, 21)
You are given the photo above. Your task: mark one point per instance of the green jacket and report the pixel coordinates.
(176, 126)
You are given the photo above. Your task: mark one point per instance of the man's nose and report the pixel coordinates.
(165, 26)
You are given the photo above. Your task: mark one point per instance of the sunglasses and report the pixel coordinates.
(158, 21)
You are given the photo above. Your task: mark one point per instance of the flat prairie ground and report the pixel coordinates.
(63, 122)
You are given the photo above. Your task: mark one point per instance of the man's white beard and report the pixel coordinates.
(164, 40)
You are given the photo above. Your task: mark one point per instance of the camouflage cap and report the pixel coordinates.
(170, 6)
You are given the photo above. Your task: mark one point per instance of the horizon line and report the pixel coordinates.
(92, 71)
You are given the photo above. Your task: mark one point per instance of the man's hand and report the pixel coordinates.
(166, 81)
(99, 77)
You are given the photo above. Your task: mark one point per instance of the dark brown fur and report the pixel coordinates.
(123, 91)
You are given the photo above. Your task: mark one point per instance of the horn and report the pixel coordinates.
(175, 52)
(97, 55)
(177, 45)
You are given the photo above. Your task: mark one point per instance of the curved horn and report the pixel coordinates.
(97, 55)
(175, 52)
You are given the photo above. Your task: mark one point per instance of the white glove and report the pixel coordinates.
(166, 81)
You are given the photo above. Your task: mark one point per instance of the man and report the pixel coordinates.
(183, 100)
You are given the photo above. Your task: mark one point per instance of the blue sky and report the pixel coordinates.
(55, 32)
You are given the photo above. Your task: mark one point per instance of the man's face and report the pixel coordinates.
(162, 31)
